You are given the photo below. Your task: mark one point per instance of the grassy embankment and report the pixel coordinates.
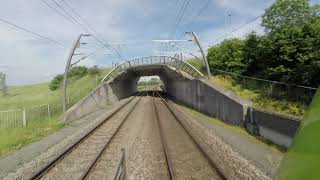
(260, 98)
(37, 94)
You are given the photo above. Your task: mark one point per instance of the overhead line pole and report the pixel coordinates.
(65, 77)
(196, 40)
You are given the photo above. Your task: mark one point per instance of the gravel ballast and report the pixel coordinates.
(230, 162)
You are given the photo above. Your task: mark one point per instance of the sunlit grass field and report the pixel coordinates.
(12, 139)
(37, 94)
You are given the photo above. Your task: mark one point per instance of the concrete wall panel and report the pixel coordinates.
(205, 98)
(277, 128)
(99, 98)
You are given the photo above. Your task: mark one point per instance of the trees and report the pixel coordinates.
(78, 72)
(3, 84)
(285, 13)
(289, 51)
(56, 82)
(74, 74)
(293, 29)
(228, 56)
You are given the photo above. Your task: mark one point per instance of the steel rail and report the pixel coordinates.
(40, 173)
(164, 143)
(211, 162)
(95, 161)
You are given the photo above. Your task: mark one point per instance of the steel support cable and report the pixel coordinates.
(32, 32)
(81, 19)
(264, 80)
(105, 44)
(92, 29)
(179, 19)
(176, 19)
(56, 10)
(237, 28)
(201, 10)
(241, 26)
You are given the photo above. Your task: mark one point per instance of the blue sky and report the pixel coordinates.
(27, 59)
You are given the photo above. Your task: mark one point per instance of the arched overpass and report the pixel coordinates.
(182, 81)
(187, 85)
(124, 77)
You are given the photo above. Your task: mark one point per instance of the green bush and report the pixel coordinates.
(95, 70)
(78, 72)
(74, 73)
(56, 82)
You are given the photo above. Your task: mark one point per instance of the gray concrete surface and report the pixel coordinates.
(100, 98)
(207, 98)
(274, 127)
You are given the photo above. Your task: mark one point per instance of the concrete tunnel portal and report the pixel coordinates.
(169, 70)
(126, 84)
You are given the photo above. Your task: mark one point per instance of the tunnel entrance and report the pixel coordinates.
(150, 83)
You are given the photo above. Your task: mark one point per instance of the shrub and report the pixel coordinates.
(78, 72)
(56, 82)
(95, 70)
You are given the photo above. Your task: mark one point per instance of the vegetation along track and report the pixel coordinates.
(185, 158)
(78, 160)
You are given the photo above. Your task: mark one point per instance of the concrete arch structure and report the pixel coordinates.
(124, 77)
(182, 81)
(186, 84)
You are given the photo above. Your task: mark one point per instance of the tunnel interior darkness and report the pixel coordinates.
(125, 84)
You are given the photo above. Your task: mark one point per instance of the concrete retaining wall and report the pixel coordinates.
(101, 97)
(208, 99)
(224, 105)
(275, 127)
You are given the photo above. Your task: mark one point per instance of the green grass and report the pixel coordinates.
(302, 160)
(13, 139)
(37, 94)
(198, 64)
(260, 98)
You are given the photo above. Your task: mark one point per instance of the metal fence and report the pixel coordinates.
(21, 117)
(272, 89)
(154, 60)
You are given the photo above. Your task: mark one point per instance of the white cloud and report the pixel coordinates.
(27, 59)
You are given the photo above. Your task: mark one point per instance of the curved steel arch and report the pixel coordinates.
(154, 60)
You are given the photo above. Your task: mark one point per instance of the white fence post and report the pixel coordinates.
(24, 118)
(49, 114)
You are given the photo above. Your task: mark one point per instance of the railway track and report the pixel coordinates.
(86, 159)
(185, 158)
(79, 160)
